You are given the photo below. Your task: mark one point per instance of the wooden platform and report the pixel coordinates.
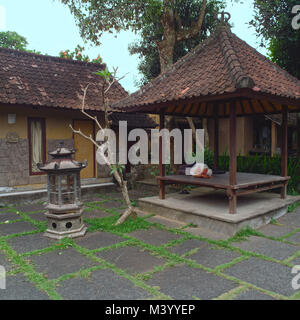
(247, 183)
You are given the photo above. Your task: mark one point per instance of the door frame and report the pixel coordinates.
(43, 121)
(94, 147)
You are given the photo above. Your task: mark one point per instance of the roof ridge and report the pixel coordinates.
(273, 64)
(240, 79)
(44, 57)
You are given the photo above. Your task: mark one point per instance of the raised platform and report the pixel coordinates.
(246, 183)
(208, 208)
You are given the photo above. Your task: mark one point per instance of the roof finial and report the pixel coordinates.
(225, 17)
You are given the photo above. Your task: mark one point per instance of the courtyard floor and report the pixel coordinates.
(146, 258)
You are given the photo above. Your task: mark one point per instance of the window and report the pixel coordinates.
(37, 147)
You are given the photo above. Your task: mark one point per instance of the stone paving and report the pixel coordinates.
(146, 258)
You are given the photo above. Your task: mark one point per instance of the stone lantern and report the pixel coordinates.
(64, 208)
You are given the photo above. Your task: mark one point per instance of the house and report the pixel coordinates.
(40, 96)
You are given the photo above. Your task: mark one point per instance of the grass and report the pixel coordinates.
(140, 280)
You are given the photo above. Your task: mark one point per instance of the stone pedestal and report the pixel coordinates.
(65, 225)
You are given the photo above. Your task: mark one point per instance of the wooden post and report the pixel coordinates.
(162, 192)
(274, 139)
(284, 148)
(233, 159)
(216, 138)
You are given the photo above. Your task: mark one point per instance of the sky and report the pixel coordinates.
(49, 28)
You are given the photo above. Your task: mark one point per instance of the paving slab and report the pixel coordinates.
(57, 263)
(31, 207)
(295, 238)
(18, 288)
(132, 259)
(101, 285)
(9, 216)
(296, 262)
(212, 256)
(264, 274)
(276, 230)
(187, 246)
(5, 263)
(155, 236)
(31, 242)
(99, 239)
(267, 247)
(40, 216)
(185, 283)
(16, 227)
(92, 214)
(291, 218)
(253, 295)
(112, 205)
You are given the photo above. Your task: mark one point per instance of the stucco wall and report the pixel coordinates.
(14, 157)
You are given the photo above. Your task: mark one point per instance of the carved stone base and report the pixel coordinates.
(65, 225)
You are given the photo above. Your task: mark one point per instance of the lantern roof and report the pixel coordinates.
(62, 161)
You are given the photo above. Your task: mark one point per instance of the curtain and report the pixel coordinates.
(36, 144)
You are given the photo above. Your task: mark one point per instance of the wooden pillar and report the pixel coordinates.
(216, 138)
(233, 159)
(162, 192)
(274, 139)
(284, 148)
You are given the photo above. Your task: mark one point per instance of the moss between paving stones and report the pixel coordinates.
(48, 286)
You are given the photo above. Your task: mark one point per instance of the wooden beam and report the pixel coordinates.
(284, 147)
(162, 192)
(233, 157)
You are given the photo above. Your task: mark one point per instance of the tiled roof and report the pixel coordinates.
(138, 120)
(222, 64)
(38, 80)
(32, 79)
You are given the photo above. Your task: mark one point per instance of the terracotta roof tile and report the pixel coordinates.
(221, 64)
(31, 79)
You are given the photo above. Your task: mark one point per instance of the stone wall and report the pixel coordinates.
(14, 163)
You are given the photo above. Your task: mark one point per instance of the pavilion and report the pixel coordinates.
(222, 77)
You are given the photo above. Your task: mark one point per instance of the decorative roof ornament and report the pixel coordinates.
(224, 17)
(223, 20)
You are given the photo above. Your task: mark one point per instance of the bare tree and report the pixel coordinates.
(109, 79)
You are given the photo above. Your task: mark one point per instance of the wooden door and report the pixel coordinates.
(85, 149)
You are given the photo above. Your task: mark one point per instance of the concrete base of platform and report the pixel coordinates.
(40, 195)
(208, 209)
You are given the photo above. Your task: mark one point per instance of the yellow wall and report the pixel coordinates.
(57, 121)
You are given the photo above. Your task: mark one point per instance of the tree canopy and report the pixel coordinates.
(273, 21)
(12, 40)
(187, 12)
(161, 22)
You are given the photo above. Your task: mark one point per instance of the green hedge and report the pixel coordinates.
(260, 164)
